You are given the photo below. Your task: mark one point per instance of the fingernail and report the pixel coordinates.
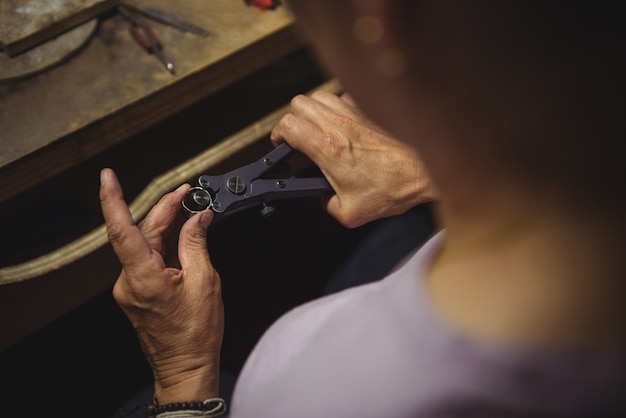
(105, 176)
(205, 219)
(181, 187)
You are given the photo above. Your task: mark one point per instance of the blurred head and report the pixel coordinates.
(536, 87)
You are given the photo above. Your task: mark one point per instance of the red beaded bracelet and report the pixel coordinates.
(210, 408)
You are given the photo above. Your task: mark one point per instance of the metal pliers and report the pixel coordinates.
(144, 35)
(249, 186)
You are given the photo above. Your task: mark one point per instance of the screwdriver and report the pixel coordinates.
(149, 41)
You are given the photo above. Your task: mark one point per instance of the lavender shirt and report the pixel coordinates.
(381, 351)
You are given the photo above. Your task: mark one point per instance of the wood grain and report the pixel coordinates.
(112, 89)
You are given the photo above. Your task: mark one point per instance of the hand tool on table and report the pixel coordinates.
(143, 33)
(166, 18)
(252, 185)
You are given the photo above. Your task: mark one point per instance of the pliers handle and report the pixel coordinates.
(245, 187)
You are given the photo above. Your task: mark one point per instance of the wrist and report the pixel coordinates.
(208, 408)
(198, 384)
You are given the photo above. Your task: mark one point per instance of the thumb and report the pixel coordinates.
(192, 245)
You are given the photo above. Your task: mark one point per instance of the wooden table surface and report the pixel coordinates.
(111, 89)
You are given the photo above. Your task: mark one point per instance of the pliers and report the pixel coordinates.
(249, 186)
(144, 35)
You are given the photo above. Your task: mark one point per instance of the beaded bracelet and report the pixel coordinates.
(210, 408)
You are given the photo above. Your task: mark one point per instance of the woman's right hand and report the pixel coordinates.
(373, 174)
(175, 307)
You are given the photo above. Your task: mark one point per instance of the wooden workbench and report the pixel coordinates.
(111, 89)
(101, 99)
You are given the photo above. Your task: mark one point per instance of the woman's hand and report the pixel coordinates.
(176, 311)
(373, 174)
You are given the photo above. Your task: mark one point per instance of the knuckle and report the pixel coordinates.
(288, 120)
(349, 217)
(349, 221)
(146, 225)
(115, 232)
(286, 127)
(133, 294)
(319, 95)
(197, 238)
(298, 101)
(118, 292)
(121, 294)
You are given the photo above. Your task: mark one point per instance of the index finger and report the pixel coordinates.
(127, 240)
(306, 120)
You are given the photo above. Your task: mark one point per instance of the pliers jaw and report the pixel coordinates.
(245, 187)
